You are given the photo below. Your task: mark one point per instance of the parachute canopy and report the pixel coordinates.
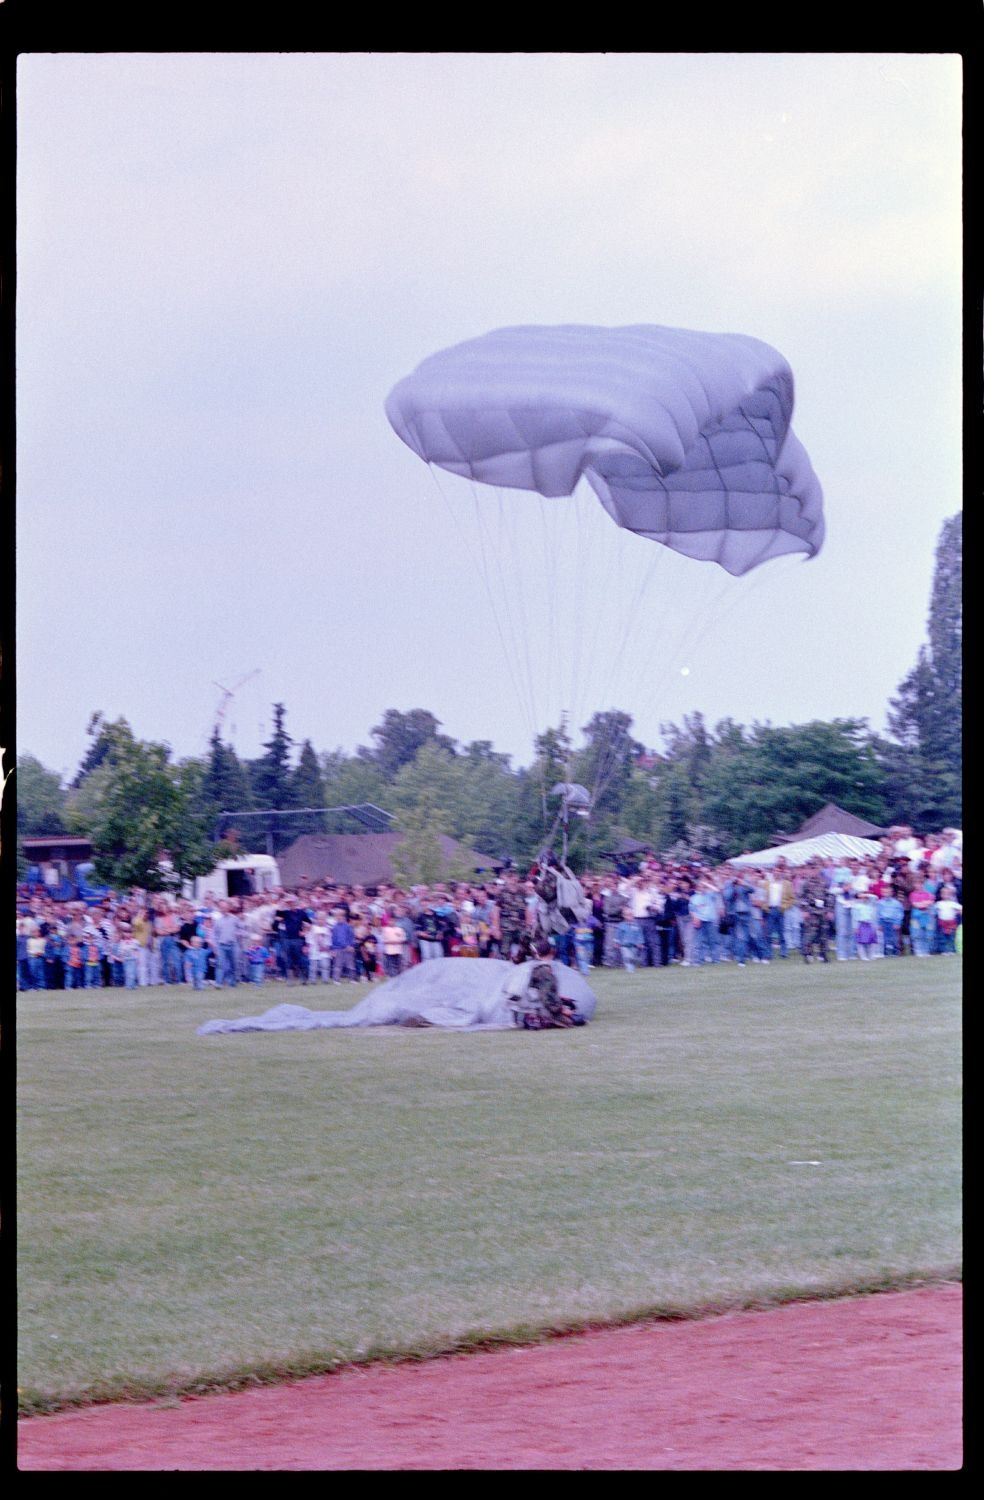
(465, 994)
(684, 436)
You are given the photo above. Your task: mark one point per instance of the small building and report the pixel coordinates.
(53, 860)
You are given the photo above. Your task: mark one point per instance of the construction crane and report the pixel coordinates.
(227, 697)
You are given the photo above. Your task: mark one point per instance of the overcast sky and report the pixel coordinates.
(225, 262)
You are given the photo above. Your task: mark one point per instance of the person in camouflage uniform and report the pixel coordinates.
(815, 903)
(542, 1005)
(511, 902)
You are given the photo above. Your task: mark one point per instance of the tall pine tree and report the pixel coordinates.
(926, 713)
(225, 788)
(307, 789)
(271, 781)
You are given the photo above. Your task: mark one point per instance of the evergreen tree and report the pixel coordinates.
(307, 789)
(926, 714)
(271, 784)
(225, 788)
(100, 736)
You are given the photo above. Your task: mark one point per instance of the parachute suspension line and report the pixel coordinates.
(591, 603)
(507, 547)
(548, 841)
(576, 605)
(548, 528)
(523, 605)
(643, 585)
(745, 586)
(597, 606)
(609, 761)
(508, 557)
(485, 577)
(699, 620)
(709, 615)
(696, 621)
(564, 810)
(523, 689)
(549, 573)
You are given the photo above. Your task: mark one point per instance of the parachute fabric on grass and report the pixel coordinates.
(466, 994)
(684, 436)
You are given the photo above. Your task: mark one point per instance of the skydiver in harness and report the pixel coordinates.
(534, 993)
(561, 903)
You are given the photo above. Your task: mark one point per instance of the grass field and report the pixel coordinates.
(199, 1211)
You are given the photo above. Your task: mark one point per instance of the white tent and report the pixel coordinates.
(838, 846)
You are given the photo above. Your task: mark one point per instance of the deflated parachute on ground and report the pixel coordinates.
(684, 436)
(468, 994)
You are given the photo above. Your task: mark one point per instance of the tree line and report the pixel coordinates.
(710, 792)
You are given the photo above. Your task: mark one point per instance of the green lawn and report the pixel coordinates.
(198, 1210)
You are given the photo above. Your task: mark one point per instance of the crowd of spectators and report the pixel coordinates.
(907, 900)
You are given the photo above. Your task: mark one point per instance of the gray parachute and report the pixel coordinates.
(465, 994)
(684, 436)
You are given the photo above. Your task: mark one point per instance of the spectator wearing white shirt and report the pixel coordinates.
(948, 914)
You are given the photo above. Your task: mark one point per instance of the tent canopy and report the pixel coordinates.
(833, 819)
(824, 846)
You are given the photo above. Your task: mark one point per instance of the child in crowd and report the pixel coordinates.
(629, 937)
(948, 912)
(74, 963)
(890, 913)
(865, 917)
(130, 950)
(584, 942)
(115, 962)
(256, 957)
(316, 947)
(394, 941)
(196, 962)
(93, 950)
(365, 951)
